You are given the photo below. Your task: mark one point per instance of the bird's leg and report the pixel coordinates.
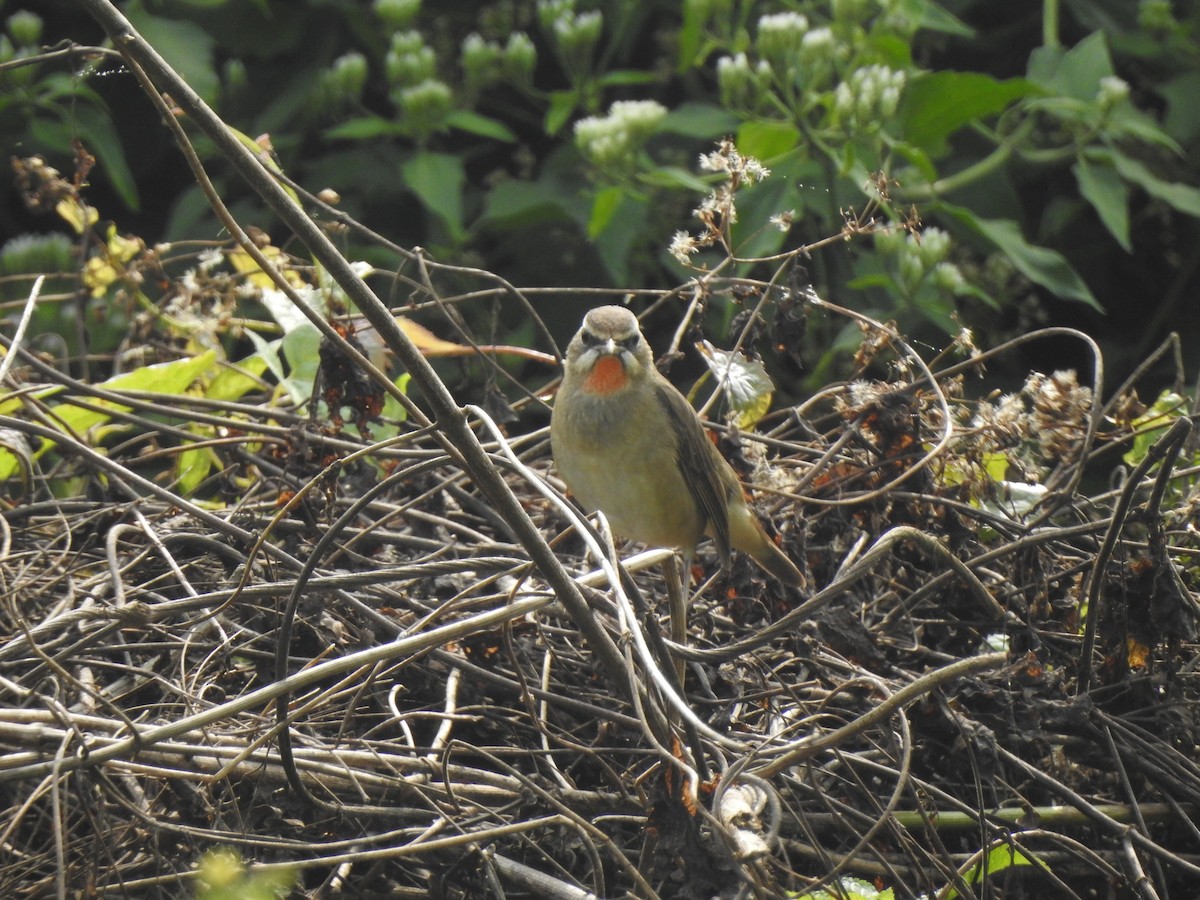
(677, 604)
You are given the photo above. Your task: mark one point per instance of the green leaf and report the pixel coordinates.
(766, 140)
(753, 236)
(675, 177)
(880, 280)
(1126, 120)
(513, 204)
(1040, 265)
(699, 120)
(67, 89)
(93, 128)
(604, 207)
(483, 126)
(1075, 72)
(999, 858)
(940, 103)
(99, 134)
(995, 465)
(162, 378)
(970, 290)
(365, 128)
(302, 348)
(185, 45)
(1108, 194)
(918, 158)
(235, 380)
(193, 464)
(615, 244)
(1150, 425)
(891, 50)
(562, 105)
(438, 179)
(1183, 197)
(690, 36)
(268, 351)
(1182, 120)
(30, 254)
(393, 412)
(624, 77)
(934, 18)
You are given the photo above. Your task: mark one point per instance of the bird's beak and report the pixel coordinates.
(610, 347)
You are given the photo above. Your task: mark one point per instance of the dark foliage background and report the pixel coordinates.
(496, 172)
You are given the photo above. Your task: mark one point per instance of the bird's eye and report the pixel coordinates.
(589, 339)
(631, 342)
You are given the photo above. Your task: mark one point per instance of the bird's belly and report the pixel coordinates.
(634, 480)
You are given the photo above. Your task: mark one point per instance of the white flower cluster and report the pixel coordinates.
(871, 96)
(917, 257)
(340, 84)
(613, 140)
(488, 62)
(409, 60)
(574, 34)
(718, 210)
(791, 56)
(780, 38)
(742, 85)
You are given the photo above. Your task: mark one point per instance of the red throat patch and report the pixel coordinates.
(607, 376)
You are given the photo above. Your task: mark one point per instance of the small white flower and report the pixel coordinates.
(732, 64)
(784, 21)
(1112, 91)
(948, 277)
(783, 220)
(754, 171)
(716, 161)
(682, 247)
(843, 100)
(933, 245)
(817, 43)
(210, 259)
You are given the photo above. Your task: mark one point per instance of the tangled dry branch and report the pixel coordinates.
(362, 661)
(443, 723)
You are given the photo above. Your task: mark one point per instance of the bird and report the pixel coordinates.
(627, 443)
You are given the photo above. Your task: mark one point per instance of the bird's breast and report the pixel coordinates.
(607, 377)
(617, 455)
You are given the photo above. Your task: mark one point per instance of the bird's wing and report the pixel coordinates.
(701, 464)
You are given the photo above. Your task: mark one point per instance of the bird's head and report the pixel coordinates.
(608, 352)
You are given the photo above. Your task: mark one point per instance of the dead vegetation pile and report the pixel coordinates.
(342, 663)
(374, 659)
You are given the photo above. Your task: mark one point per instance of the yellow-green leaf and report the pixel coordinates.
(745, 382)
(162, 378)
(237, 379)
(192, 467)
(999, 858)
(995, 464)
(1151, 424)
